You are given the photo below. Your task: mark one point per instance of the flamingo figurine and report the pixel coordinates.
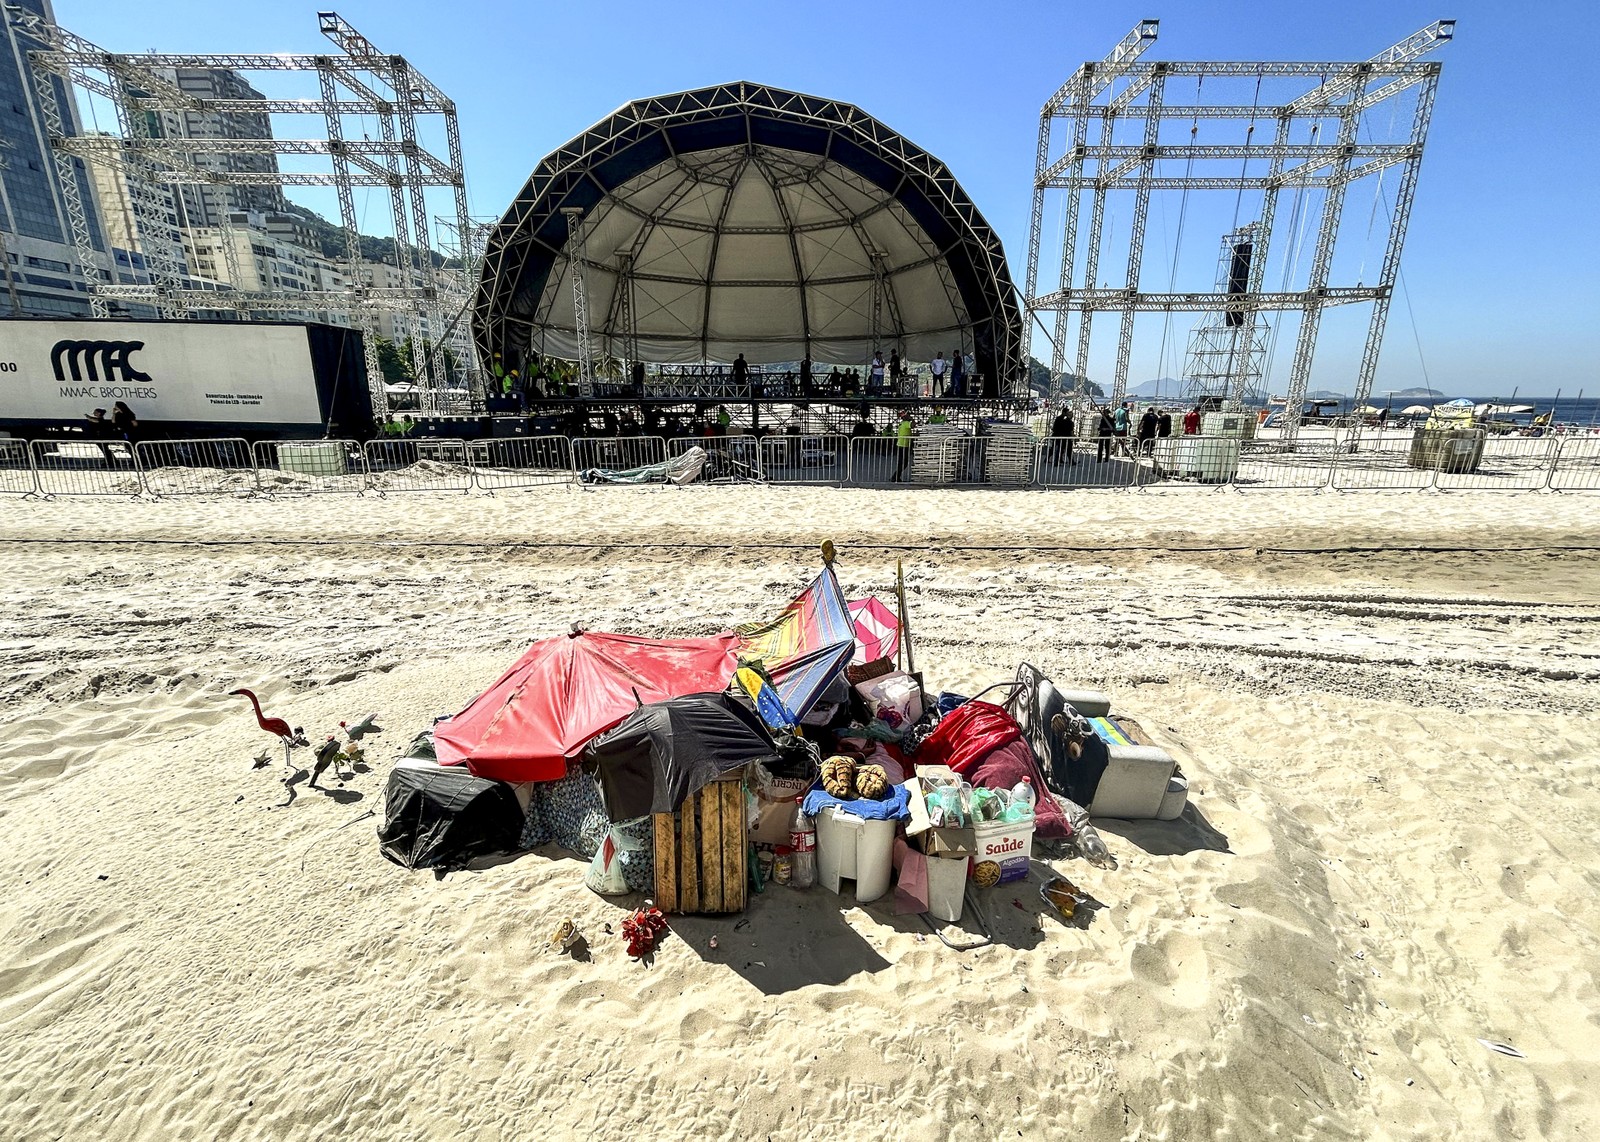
(291, 738)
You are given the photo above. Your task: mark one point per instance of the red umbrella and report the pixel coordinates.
(566, 691)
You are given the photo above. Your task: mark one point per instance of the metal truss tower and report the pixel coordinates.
(1227, 353)
(580, 297)
(1129, 128)
(357, 81)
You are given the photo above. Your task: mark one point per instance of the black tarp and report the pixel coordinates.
(661, 753)
(1034, 703)
(444, 818)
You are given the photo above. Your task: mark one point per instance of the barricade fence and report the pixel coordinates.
(16, 468)
(618, 453)
(201, 467)
(522, 462)
(429, 464)
(224, 466)
(85, 468)
(810, 459)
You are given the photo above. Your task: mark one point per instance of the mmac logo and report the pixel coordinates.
(100, 360)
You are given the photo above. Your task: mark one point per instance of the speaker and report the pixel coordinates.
(1238, 280)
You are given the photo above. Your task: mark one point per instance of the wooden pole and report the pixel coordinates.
(905, 618)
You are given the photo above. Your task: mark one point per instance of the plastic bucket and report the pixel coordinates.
(947, 887)
(1003, 851)
(851, 848)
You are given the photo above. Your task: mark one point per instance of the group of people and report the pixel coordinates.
(1111, 431)
(120, 425)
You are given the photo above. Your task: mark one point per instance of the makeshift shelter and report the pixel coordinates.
(663, 752)
(807, 646)
(565, 691)
(446, 818)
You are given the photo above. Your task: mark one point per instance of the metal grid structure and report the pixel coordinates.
(1228, 350)
(358, 80)
(715, 137)
(1125, 127)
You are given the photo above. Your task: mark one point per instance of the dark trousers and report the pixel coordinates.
(900, 464)
(1102, 449)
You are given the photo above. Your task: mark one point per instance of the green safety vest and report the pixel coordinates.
(937, 418)
(903, 434)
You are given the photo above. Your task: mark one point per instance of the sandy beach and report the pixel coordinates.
(1388, 707)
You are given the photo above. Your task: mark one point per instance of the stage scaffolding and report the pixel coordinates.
(1122, 129)
(356, 80)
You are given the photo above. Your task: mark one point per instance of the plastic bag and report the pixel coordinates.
(605, 870)
(895, 699)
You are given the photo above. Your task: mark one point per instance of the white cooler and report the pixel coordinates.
(850, 848)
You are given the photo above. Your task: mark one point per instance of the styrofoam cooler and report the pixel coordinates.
(1007, 844)
(853, 848)
(947, 887)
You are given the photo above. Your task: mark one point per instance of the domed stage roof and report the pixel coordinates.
(745, 219)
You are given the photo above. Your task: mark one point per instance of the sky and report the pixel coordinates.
(1501, 268)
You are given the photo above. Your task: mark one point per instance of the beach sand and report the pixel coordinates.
(1387, 707)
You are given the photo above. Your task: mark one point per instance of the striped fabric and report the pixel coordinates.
(807, 646)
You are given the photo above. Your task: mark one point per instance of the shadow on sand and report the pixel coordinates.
(1191, 832)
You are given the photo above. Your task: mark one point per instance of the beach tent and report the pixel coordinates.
(563, 692)
(807, 646)
(877, 630)
(661, 753)
(446, 818)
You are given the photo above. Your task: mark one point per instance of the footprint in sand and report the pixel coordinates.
(1176, 967)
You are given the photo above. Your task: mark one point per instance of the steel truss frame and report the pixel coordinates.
(1124, 92)
(356, 80)
(566, 177)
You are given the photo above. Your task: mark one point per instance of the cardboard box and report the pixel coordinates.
(949, 842)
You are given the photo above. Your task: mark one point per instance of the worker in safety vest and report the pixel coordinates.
(903, 433)
(938, 416)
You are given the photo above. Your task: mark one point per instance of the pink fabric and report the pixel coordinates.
(877, 630)
(911, 891)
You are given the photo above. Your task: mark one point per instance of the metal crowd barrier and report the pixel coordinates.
(1576, 467)
(618, 453)
(207, 467)
(293, 466)
(86, 468)
(523, 462)
(1264, 468)
(1509, 464)
(229, 465)
(738, 456)
(16, 468)
(810, 459)
(427, 464)
(877, 461)
(1381, 466)
(1084, 462)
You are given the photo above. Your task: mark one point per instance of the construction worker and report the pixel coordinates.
(938, 416)
(903, 433)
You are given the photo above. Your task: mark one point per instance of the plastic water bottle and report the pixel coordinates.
(803, 843)
(1022, 801)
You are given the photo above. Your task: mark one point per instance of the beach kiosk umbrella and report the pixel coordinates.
(877, 630)
(1416, 410)
(661, 753)
(564, 692)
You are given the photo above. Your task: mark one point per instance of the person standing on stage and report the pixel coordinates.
(937, 368)
(958, 374)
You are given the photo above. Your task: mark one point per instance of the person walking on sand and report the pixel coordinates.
(1147, 431)
(124, 422)
(902, 440)
(1191, 422)
(1061, 430)
(1103, 433)
(1119, 425)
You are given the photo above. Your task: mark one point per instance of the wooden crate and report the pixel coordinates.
(702, 852)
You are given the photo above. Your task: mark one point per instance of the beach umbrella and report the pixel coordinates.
(1415, 410)
(806, 646)
(877, 630)
(661, 753)
(564, 692)
(1368, 410)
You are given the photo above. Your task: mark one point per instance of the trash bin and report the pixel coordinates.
(852, 848)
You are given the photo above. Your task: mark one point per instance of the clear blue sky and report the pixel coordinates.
(1502, 262)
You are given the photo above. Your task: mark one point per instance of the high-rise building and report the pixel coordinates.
(205, 205)
(41, 265)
